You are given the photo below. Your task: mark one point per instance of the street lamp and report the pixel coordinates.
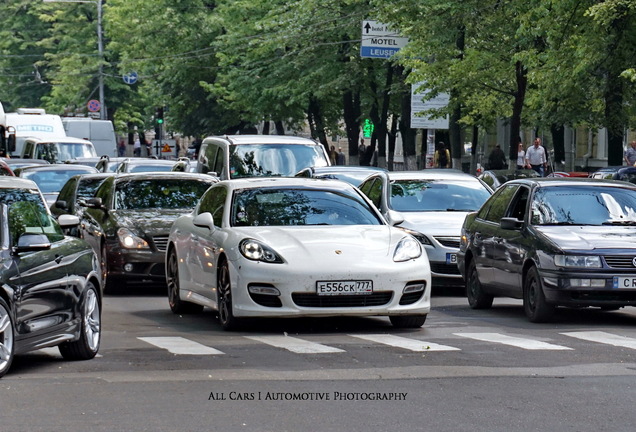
(100, 49)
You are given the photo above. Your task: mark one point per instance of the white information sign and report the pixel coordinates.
(379, 41)
(419, 104)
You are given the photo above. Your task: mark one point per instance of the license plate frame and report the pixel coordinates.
(618, 282)
(344, 287)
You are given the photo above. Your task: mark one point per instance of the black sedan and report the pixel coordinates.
(129, 219)
(495, 178)
(77, 189)
(49, 283)
(552, 242)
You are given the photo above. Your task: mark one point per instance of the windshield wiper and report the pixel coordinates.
(459, 210)
(618, 222)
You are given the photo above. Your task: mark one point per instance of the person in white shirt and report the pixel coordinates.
(521, 156)
(535, 157)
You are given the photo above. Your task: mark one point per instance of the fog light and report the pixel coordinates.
(266, 290)
(588, 283)
(414, 288)
(128, 267)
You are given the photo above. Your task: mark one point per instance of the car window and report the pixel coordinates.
(219, 161)
(437, 195)
(373, 191)
(499, 204)
(28, 214)
(519, 204)
(584, 205)
(159, 193)
(297, 206)
(273, 159)
(213, 201)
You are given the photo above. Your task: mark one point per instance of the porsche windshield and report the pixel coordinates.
(584, 205)
(295, 206)
(273, 159)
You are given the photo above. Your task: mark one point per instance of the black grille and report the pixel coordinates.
(411, 298)
(314, 300)
(161, 242)
(452, 242)
(266, 300)
(449, 269)
(623, 262)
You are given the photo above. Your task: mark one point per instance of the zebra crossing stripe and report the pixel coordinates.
(528, 344)
(604, 338)
(405, 343)
(295, 345)
(179, 345)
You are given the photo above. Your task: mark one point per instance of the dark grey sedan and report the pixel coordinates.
(552, 242)
(50, 291)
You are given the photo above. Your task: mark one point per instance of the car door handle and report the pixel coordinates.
(58, 258)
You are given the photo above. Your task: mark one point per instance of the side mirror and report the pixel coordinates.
(509, 223)
(68, 221)
(11, 142)
(29, 242)
(204, 220)
(61, 204)
(92, 203)
(394, 217)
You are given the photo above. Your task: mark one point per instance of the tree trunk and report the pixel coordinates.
(315, 116)
(408, 134)
(515, 121)
(280, 127)
(266, 127)
(351, 114)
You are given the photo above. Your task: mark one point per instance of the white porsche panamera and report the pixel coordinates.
(294, 247)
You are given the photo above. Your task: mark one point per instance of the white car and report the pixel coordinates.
(431, 205)
(294, 247)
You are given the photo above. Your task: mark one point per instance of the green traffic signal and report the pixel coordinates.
(159, 121)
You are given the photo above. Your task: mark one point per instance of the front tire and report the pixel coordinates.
(87, 346)
(407, 321)
(535, 305)
(7, 338)
(477, 298)
(177, 305)
(224, 291)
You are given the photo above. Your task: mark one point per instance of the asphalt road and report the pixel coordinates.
(464, 370)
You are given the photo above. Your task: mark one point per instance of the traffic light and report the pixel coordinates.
(159, 116)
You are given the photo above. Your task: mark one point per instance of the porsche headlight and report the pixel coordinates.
(131, 241)
(408, 248)
(581, 261)
(257, 251)
(418, 236)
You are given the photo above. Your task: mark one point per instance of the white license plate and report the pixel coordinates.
(451, 258)
(628, 282)
(344, 287)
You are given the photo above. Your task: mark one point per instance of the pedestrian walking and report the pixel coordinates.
(536, 157)
(441, 158)
(137, 147)
(630, 154)
(341, 157)
(497, 159)
(521, 156)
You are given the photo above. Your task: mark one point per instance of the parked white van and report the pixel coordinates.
(33, 122)
(100, 132)
(57, 150)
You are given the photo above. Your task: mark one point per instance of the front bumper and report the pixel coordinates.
(298, 294)
(559, 289)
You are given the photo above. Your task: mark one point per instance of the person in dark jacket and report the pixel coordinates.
(497, 158)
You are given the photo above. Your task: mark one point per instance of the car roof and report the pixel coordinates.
(62, 139)
(150, 161)
(7, 182)
(161, 174)
(265, 182)
(56, 167)
(346, 169)
(431, 174)
(263, 139)
(571, 181)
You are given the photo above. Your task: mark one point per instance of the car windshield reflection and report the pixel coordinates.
(160, 194)
(277, 207)
(272, 159)
(584, 206)
(434, 195)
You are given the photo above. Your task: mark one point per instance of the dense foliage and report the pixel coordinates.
(226, 66)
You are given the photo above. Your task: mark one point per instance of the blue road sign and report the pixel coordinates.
(130, 78)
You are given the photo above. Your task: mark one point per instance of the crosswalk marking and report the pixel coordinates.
(406, 343)
(295, 345)
(529, 344)
(605, 338)
(179, 345)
